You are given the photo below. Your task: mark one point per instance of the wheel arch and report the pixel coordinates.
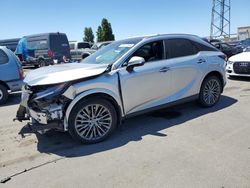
(217, 74)
(108, 95)
(4, 84)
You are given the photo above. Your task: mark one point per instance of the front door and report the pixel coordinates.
(149, 85)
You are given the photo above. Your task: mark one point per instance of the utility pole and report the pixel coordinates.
(220, 22)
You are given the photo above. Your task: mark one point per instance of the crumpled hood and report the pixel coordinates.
(244, 56)
(63, 73)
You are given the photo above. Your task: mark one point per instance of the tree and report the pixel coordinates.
(99, 34)
(104, 31)
(88, 35)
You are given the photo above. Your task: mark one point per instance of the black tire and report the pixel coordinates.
(42, 63)
(3, 94)
(77, 109)
(209, 99)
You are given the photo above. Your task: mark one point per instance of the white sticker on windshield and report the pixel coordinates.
(126, 45)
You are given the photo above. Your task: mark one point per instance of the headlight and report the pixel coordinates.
(51, 91)
(230, 62)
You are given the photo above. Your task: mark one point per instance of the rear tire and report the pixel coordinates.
(210, 91)
(42, 63)
(92, 121)
(3, 94)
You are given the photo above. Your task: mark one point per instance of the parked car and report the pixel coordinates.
(86, 52)
(11, 74)
(43, 49)
(239, 65)
(237, 45)
(74, 45)
(213, 41)
(126, 78)
(78, 49)
(245, 43)
(226, 48)
(10, 43)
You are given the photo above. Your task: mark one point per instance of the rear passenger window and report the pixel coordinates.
(3, 57)
(203, 47)
(179, 48)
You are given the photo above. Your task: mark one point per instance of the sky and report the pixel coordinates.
(127, 17)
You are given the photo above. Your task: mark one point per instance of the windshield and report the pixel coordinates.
(110, 53)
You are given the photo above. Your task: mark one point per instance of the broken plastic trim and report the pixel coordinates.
(51, 91)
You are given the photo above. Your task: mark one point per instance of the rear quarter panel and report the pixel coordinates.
(214, 63)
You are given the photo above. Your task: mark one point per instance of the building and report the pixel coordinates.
(243, 33)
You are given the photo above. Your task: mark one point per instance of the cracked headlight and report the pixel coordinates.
(51, 91)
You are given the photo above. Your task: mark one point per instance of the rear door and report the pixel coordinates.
(59, 45)
(186, 67)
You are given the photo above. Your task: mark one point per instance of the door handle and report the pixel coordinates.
(201, 61)
(164, 69)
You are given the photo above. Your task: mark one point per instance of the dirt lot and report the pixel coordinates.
(185, 146)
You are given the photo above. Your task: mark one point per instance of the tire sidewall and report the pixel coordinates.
(81, 104)
(201, 98)
(5, 94)
(42, 63)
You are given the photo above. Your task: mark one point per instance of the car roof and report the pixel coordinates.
(162, 36)
(44, 34)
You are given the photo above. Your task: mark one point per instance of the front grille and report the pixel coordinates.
(241, 67)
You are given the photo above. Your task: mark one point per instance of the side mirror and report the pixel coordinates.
(135, 61)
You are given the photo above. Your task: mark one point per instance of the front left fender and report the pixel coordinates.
(86, 94)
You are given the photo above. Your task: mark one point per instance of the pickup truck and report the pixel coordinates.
(81, 50)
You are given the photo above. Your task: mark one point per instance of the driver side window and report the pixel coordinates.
(151, 52)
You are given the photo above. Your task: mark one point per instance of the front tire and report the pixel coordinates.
(92, 121)
(3, 94)
(210, 91)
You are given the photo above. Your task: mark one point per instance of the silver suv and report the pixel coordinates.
(126, 78)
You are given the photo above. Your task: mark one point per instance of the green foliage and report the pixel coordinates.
(88, 35)
(99, 34)
(104, 31)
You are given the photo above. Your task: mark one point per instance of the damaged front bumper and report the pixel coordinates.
(44, 110)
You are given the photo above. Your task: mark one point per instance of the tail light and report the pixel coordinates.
(50, 53)
(20, 73)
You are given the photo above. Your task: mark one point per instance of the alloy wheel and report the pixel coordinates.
(93, 122)
(211, 91)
